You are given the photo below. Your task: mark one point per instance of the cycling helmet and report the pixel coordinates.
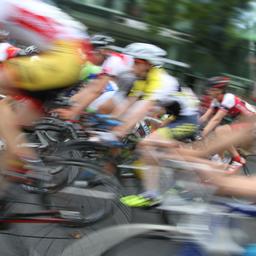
(100, 40)
(149, 52)
(31, 50)
(218, 82)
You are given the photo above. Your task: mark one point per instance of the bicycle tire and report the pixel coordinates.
(119, 234)
(94, 202)
(91, 151)
(61, 169)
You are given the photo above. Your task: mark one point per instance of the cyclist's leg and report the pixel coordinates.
(106, 107)
(103, 104)
(150, 160)
(222, 142)
(226, 129)
(150, 176)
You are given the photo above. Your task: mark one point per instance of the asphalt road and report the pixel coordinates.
(53, 239)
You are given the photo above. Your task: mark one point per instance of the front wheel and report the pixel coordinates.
(90, 198)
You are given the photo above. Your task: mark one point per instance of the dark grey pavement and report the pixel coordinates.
(53, 239)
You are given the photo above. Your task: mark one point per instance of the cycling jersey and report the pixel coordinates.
(125, 81)
(89, 71)
(156, 86)
(8, 51)
(107, 94)
(187, 100)
(56, 34)
(162, 87)
(233, 105)
(36, 23)
(116, 64)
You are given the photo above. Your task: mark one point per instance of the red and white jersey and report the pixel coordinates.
(234, 106)
(36, 23)
(7, 51)
(116, 64)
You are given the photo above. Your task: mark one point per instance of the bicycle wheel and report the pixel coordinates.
(55, 159)
(147, 245)
(132, 239)
(91, 196)
(91, 151)
(61, 168)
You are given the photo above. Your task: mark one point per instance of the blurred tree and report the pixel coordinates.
(108, 3)
(210, 22)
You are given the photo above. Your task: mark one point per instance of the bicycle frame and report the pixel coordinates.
(54, 216)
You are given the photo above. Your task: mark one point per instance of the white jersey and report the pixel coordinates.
(170, 91)
(116, 64)
(37, 23)
(7, 51)
(188, 101)
(233, 105)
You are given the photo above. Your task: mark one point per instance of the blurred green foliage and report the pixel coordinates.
(211, 24)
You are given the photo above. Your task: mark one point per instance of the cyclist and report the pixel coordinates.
(236, 185)
(156, 87)
(92, 67)
(92, 70)
(60, 39)
(227, 104)
(114, 65)
(153, 86)
(98, 55)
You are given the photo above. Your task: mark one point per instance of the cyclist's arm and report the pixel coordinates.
(214, 122)
(234, 185)
(136, 113)
(206, 116)
(149, 89)
(122, 108)
(89, 94)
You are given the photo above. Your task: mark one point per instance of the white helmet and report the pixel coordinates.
(149, 52)
(101, 40)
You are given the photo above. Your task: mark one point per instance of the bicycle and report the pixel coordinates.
(208, 227)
